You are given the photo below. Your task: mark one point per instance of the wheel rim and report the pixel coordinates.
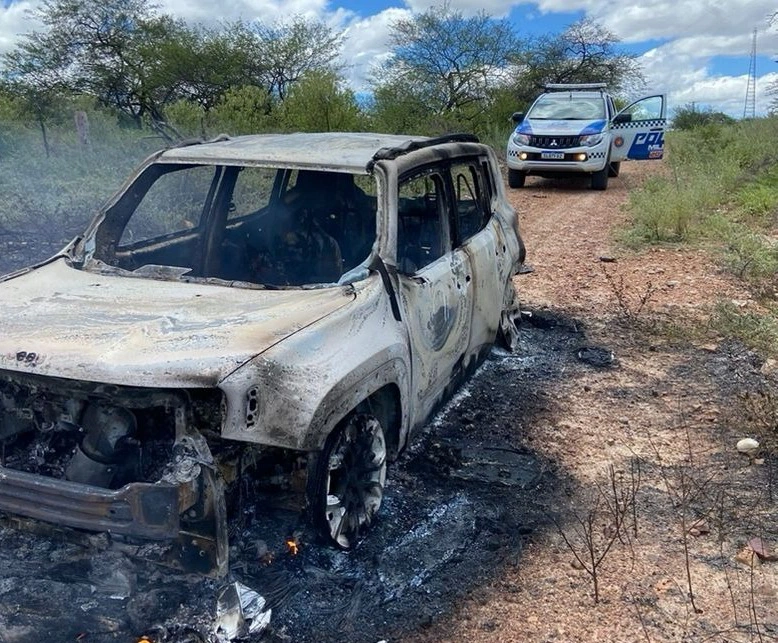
(356, 473)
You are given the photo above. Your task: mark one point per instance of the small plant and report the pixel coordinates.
(685, 485)
(595, 530)
(631, 306)
(759, 199)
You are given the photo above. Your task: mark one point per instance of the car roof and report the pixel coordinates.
(342, 151)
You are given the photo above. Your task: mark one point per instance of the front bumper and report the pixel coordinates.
(141, 510)
(164, 484)
(573, 160)
(185, 511)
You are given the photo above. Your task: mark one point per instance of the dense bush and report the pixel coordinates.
(721, 189)
(709, 168)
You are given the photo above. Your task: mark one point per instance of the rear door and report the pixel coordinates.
(480, 240)
(435, 285)
(638, 130)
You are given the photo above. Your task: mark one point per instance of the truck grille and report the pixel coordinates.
(555, 142)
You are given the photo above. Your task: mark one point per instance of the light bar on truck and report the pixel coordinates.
(574, 86)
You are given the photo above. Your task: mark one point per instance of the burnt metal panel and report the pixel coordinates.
(158, 333)
(139, 509)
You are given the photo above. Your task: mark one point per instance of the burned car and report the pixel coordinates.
(304, 298)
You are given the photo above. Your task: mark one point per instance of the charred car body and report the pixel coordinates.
(243, 299)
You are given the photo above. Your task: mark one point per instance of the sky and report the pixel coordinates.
(695, 51)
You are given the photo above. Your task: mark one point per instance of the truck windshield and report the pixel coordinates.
(566, 107)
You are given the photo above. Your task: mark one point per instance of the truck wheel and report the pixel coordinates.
(600, 179)
(614, 168)
(346, 481)
(516, 178)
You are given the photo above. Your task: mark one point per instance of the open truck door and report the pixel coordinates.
(638, 130)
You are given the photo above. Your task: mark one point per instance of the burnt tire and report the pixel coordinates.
(600, 179)
(614, 168)
(346, 482)
(516, 178)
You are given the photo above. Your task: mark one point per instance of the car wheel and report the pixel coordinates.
(346, 484)
(614, 168)
(516, 178)
(600, 179)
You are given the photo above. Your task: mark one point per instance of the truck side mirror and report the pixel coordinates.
(517, 117)
(622, 118)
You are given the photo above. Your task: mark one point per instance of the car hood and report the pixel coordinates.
(63, 322)
(542, 127)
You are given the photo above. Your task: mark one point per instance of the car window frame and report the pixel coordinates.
(483, 197)
(445, 207)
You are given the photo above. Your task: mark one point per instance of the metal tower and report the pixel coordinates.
(749, 110)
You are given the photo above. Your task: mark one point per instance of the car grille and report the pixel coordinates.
(555, 142)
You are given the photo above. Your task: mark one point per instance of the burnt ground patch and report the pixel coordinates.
(460, 504)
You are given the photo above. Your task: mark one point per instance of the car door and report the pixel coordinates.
(637, 131)
(481, 242)
(435, 286)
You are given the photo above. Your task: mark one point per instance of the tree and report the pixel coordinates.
(279, 55)
(196, 64)
(585, 52)
(103, 48)
(396, 108)
(690, 116)
(34, 89)
(243, 110)
(445, 63)
(317, 102)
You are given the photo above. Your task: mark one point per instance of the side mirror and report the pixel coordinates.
(517, 117)
(622, 118)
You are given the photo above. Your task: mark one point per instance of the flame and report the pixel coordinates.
(293, 546)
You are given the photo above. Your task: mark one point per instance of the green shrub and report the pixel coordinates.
(757, 331)
(711, 167)
(187, 118)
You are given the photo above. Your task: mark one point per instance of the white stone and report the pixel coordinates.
(749, 446)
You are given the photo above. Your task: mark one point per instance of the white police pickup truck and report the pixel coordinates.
(574, 128)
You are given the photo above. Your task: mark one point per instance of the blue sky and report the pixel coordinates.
(695, 50)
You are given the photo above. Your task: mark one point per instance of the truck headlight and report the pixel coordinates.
(591, 140)
(521, 139)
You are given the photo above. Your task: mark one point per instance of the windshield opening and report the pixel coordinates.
(275, 227)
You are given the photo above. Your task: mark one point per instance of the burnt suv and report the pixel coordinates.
(303, 299)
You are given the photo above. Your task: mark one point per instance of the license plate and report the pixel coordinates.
(553, 156)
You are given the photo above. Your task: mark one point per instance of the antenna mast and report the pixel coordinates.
(749, 110)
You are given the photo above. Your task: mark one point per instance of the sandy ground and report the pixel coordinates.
(655, 434)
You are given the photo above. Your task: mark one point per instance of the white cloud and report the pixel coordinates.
(640, 20)
(671, 19)
(268, 11)
(682, 69)
(15, 20)
(497, 8)
(366, 43)
(723, 93)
